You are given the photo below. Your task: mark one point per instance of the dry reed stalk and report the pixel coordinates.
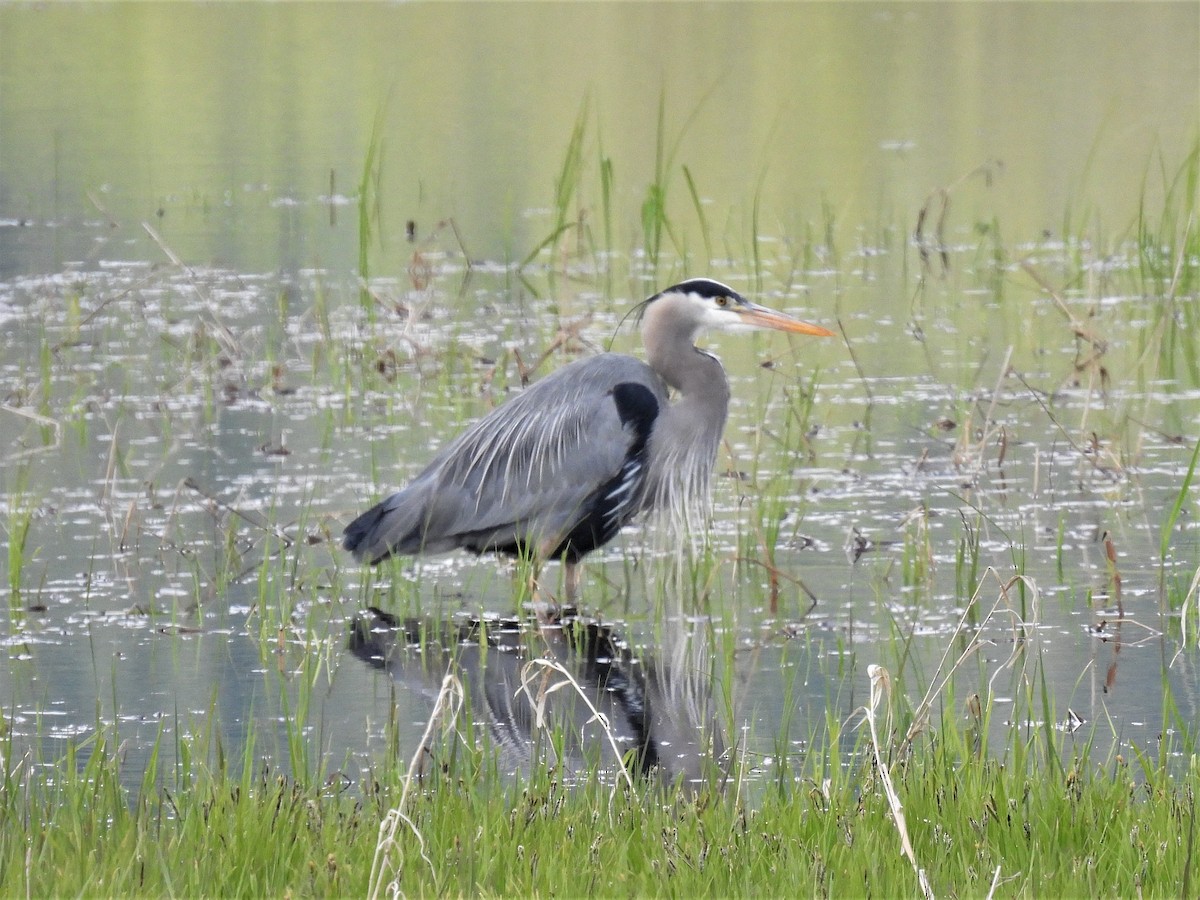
(940, 680)
(445, 712)
(546, 688)
(881, 687)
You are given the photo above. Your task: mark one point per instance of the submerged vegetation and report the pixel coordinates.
(950, 765)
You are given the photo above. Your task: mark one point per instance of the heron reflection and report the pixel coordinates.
(659, 710)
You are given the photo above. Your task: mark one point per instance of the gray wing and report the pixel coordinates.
(519, 476)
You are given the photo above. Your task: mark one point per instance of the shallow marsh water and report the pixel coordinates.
(192, 410)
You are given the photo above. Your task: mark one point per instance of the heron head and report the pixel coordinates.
(702, 303)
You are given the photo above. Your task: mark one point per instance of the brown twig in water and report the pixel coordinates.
(252, 518)
(1090, 457)
(985, 169)
(102, 209)
(563, 338)
(1110, 553)
(854, 359)
(224, 336)
(44, 421)
(776, 574)
(1080, 330)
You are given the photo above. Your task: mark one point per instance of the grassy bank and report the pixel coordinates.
(977, 826)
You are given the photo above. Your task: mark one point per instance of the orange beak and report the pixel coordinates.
(762, 317)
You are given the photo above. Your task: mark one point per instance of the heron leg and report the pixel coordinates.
(572, 577)
(544, 604)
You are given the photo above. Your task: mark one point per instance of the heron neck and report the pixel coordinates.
(685, 440)
(697, 376)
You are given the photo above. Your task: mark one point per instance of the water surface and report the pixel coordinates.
(193, 410)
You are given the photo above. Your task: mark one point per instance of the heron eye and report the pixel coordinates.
(722, 302)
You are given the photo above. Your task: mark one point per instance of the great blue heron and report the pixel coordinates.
(560, 469)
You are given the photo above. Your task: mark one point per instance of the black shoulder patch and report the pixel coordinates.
(618, 499)
(637, 406)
